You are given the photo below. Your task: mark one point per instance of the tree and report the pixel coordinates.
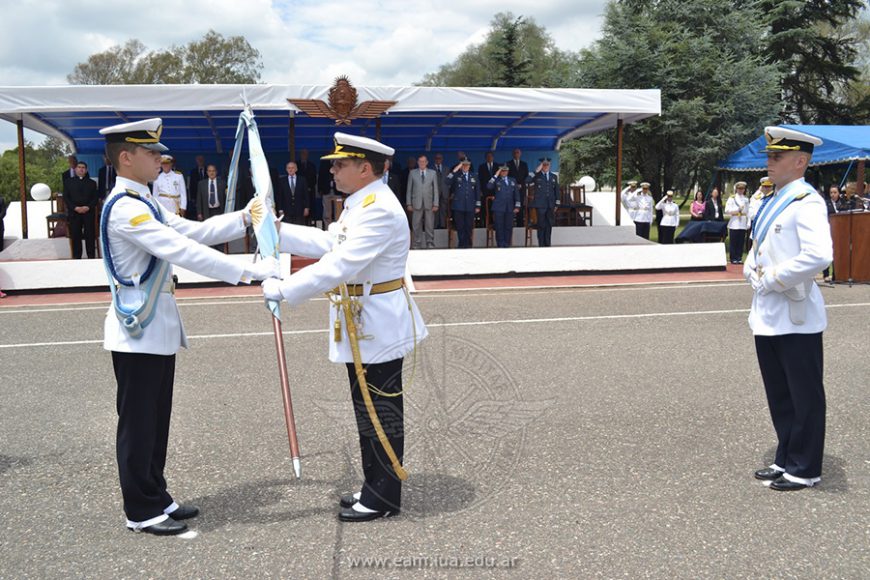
(717, 92)
(817, 60)
(214, 59)
(44, 164)
(515, 52)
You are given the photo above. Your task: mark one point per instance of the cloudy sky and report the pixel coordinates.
(375, 42)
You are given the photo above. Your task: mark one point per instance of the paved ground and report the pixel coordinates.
(575, 432)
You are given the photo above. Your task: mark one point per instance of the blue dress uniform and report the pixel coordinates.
(136, 230)
(366, 250)
(546, 200)
(465, 199)
(792, 245)
(507, 200)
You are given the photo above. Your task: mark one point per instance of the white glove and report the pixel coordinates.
(272, 289)
(757, 284)
(265, 268)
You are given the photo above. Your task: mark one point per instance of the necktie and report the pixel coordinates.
(212, 194)
(547, 177)
(386, 177)
(423, 174)
(292, 184)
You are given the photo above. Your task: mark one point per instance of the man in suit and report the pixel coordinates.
(792, 245)
(81, 198)
(505, 206)
(292, 197)
(328, 193)
(422, 202)
(71, 172)
(393, 181)
(211, 194)
(464, 201)
(105, 178)
(485, 171)
(197, 174)
(307, 169)
(518, 170)
(441, 174)
(545, 201)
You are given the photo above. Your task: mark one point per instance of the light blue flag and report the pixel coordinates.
(262, 216)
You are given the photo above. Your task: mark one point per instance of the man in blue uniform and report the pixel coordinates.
(464, 200)
(505, 206)
(792, 244)
(545, 201)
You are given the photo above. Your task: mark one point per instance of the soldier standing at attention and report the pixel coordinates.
(464, 200)
(373, 318)
(505, 205)
(169, 187)
(546, 200)
(792, 245)
(143, 329)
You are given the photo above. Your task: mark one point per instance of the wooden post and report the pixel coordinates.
(619, 130)
(22, 178)
(859, 185)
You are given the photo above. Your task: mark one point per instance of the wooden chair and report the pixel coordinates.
(56, 221)
(530, 215)
(577, 195)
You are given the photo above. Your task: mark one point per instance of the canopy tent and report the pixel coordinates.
(841, 144)
(203, 118)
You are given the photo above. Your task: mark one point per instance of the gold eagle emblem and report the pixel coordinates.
(342, 106)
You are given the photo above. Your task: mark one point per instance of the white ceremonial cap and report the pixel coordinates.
(166, 158)
(784, 139)
(143, 133)
(356, 147)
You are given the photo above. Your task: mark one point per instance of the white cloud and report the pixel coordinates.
(375, 42)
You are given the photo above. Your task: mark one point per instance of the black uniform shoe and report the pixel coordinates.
(347, 500)
(768, 474)
(167, 527)
(184, 512)
(351, 515)
(782, 484)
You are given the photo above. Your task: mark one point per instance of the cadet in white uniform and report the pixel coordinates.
(643, 215)
(629, 199)
(737, 207)
(765, 188)
(670, 217)
(792, 245)
(365, 250)
(169, 188)
(140, 241)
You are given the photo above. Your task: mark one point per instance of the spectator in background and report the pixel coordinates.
(833, 200)
(644, 215)
(697, 207)
(505, 205)
(308, 170)
(105, 178)
(81, 202)
(422, 202)
(464, 199)
(196, 175)
(852, 202)
(737, 209)
(211, 194)
(670, 218)
(442, 177)
(328, 193)
(71, 172)
(545, 201)
(713, 209)
(393, 181)
(518, 170)
(292, 197)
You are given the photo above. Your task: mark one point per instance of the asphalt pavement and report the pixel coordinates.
(565, 433)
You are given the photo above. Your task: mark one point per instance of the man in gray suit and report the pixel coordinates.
(211, 194)
(422, 200)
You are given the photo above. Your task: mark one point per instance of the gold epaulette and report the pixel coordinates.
(802, 195)
(133, 193)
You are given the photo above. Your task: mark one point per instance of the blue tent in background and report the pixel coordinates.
(841, 144)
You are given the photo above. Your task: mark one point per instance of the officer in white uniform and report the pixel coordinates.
(737, 207)
(169, 188)
(366, 249)
(643, 215)
(792, 245)
(137, 234)
(765, 188)
(670, 217)
(629, 199)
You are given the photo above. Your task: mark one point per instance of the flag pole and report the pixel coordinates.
(285, 393)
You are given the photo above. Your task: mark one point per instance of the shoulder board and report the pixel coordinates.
(802, 195)
(370, 199)
(133, 193)
(178, 172)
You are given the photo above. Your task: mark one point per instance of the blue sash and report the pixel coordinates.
(133, 319)
(795, 190)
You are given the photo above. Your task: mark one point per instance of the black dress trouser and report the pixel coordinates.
(792, 370)
(145, 383)
(79, 223)
(382, 489)
(641, 229)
